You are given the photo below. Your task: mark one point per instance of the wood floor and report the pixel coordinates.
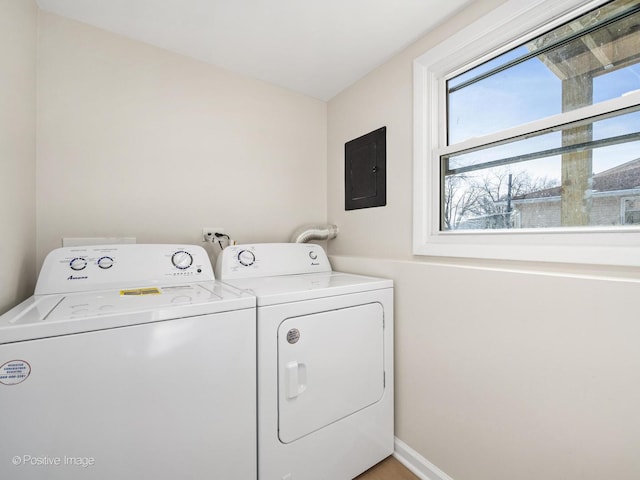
(388, 469)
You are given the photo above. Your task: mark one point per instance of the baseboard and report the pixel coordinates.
(415, 462)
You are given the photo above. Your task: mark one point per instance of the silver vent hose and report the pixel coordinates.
(309, 232)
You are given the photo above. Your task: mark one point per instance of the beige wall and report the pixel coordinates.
(505, 374)
(136, 141)
(17, 150)
(504, 370)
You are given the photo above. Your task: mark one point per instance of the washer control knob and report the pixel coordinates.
(313, 255)
(246, 258)
(182, 260)
(78, 263)
(105, 262)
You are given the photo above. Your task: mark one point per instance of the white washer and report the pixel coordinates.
(130, 362)
(325, 361)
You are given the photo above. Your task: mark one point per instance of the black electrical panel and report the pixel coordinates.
(365, 171)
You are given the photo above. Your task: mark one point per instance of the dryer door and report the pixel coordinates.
(330, 365)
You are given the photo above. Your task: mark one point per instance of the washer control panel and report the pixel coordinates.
(270, 259)
(96, 267)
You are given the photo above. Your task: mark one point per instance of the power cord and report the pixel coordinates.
(219, 236)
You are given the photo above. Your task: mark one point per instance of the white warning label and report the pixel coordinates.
(14, 372)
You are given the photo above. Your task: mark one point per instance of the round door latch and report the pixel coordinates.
(293, 336)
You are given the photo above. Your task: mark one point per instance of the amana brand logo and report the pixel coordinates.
(71, 277)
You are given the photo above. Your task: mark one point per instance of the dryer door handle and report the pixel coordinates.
(296, 378)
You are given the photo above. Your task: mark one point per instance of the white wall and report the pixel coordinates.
(137, 141)
(17, 150)
(504, 370)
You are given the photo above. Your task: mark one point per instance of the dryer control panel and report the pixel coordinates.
(271, 259)
(97, 267)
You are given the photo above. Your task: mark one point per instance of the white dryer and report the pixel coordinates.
(325, 361)
(130, 362)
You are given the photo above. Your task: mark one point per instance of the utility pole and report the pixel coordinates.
(509, 195)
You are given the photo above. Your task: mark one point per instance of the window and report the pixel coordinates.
(631, 210)
(527, 135)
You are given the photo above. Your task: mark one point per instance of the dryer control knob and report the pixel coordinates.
(182, 260)
(246, 258)
(78, 263)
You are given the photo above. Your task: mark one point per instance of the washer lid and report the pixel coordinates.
(294, 288)
(43, 316)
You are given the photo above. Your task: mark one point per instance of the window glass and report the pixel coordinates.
(573, 177)
(588, 60)
(631, 210)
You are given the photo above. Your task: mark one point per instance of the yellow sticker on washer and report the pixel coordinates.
(140, 291)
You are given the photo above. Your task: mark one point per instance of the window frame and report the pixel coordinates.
(507, 26)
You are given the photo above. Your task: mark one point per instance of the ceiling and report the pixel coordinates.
(314, 47)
